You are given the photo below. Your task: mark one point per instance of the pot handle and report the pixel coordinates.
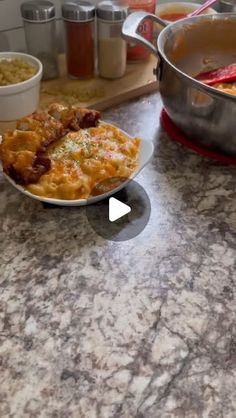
(130, 27)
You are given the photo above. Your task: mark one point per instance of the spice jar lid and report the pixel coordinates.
(110, 10)
(39, 10)
(75, 11)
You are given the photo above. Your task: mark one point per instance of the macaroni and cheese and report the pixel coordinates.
(81, 160)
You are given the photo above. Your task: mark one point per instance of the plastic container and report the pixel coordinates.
(136, 52)
(21, 99)
(173, 11)
(40, 34)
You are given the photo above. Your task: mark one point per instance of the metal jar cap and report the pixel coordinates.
(38, 10)
(110, 10)
(78, 11)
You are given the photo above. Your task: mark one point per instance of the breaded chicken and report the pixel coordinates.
(74, 118)
(23, 151)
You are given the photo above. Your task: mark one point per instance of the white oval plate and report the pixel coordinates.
(146, 151)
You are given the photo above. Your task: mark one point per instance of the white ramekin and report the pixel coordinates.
(21, 99)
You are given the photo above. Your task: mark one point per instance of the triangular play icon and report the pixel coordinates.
(117, 209)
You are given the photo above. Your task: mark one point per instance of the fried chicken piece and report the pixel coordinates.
(45, 125)
(23, 156)
(55, 110)
(74, 118)
(23, 151)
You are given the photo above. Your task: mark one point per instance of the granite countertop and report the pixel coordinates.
(144, 328)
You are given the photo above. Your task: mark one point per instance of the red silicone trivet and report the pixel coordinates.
(177, 135)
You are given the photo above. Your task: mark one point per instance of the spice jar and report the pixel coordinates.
(40, 34)
(112, 49)
(79, 30)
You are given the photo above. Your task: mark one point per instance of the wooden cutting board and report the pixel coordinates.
(98, 93)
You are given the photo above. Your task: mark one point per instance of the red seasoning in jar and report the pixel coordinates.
(79, 30)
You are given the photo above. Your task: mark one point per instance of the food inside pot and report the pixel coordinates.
(223, 78)
(229, 88)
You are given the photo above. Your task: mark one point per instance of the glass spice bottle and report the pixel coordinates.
(40, 34)
(112, 49)
(79, 19)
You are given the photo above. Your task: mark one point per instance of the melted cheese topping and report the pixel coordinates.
(81, 160)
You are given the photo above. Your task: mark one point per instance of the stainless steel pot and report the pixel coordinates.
(227, 6)
(185, 48)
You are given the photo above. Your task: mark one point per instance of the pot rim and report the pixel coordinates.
(160, 47)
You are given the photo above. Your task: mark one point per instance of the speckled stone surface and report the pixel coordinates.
(145, 328)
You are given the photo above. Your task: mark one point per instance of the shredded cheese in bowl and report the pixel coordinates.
(14, 71)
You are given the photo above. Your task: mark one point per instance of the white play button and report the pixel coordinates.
(117, 209)
(107, 217)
